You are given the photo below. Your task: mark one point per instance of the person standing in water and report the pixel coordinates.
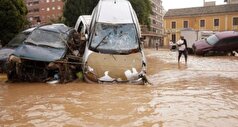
(156, 45)
(182, 48)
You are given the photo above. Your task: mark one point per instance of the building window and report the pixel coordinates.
(154, 22)
(59, 7)
(48, 9)
(235, 21)
(174, 37)
(53, 8)
(47, 1)
(202, 23)
(53, 0)
(216, 22)
(185, 24)
(173, 25)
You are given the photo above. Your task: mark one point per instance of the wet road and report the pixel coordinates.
(203, 93)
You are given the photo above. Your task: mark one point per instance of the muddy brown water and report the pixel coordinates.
(203, 93)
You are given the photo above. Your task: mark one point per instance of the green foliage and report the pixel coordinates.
(143, 10)
(74, 8)
(12, 18)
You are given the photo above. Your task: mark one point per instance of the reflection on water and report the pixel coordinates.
(200, 94)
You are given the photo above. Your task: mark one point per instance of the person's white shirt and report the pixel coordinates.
(171, 43)
(181, 47)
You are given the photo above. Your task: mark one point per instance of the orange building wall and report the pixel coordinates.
(225, 24)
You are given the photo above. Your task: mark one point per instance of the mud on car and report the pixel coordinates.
(113, 52)
(50, 53)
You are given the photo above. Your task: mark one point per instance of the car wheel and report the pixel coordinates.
(231, 53)
(11, 72)
(204, 54)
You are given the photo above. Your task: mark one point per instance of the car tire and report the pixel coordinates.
(204, 54)
(11, 72)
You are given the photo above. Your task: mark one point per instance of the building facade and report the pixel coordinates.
(155, 33)
(231, 1)
(43, 11)
(208, 18)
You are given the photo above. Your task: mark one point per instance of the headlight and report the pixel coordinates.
(13, 58)
(90, 74)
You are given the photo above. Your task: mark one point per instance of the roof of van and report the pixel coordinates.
(115, 11)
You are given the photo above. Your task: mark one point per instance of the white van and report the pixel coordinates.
(83, 23)
(82, 27)
(113, 50)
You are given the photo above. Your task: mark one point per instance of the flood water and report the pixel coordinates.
(203, 93)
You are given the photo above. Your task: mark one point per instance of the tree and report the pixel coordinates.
(12, 18)
(143, 10)
(74, 8)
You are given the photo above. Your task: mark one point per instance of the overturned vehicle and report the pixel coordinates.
(49, 54)
(113, 51)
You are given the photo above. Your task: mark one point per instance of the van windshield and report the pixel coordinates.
(114, 38)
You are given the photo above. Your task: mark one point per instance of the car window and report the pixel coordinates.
(212, 40)
(80, 29)
(228, 41)
(17, 40)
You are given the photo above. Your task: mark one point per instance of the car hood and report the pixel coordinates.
(108, 67)
(5, 52)
(39, 53)
(202, 44)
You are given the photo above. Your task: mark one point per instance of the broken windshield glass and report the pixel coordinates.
(47, 38)
(118, 38)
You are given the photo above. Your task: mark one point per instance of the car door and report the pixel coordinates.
(226, 44)
(233, 44)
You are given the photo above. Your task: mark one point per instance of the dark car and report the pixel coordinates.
(221, 42)
(11, 46)
(50, 53)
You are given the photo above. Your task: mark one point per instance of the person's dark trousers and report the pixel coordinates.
(184, 52)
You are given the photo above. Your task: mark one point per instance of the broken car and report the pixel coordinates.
(50, 53)
(113, 50)
(11, 46)
(221, 42)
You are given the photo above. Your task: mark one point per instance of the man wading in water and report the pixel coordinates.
(182, 49)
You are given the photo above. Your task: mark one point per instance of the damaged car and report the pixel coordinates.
(113, 50)
(11, 46)
(49, 54)
(220, 43)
